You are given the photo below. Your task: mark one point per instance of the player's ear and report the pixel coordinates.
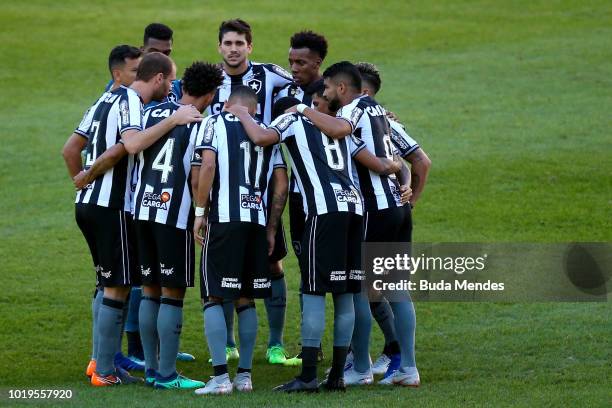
(250, 48)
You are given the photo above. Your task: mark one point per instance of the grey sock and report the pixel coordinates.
(110, 320)
(405, 324)
(276, 306)
(361, 332)
(147, 321)
(169, 326)
(382, 313)
(228, 312)
(95, 308)
(313, 320)
(344, 319)
(216, 332)
(247, 333)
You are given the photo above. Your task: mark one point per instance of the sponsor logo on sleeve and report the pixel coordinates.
(124, 111)
(281, 71)
(209, 130)
(285, 122)
(355, 116)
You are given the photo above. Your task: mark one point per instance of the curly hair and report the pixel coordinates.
(311, 40)
(201, 78)
(370, 74)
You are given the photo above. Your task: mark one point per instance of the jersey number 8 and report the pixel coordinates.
(335, 160)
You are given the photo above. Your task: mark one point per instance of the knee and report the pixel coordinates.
(276, 269)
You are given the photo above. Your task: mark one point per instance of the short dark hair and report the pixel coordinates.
(346, 70)
(158, 31)
(152, 64)
(282, 105)
(370, 74)
(243, 92)
(317, 87)
(120, 53)
(311, 40)
(236, 25)
(201, 78)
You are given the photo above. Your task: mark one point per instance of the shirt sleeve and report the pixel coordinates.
(278, 160)
(196, 157)
(130, 112)
(206, 137)
(404, 144)
(83, 128)
(283, 125)
(352, 113)
(355, 145)
(291, 90)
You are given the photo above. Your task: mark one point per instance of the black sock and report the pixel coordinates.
(338, 361)
(243, 370)
(309, 363)
(391, 349)
(220, 369)
(134, 344)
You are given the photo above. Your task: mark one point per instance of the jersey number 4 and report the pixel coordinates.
(163, 159)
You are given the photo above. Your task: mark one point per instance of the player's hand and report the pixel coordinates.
(292, 109)
(199, 229)
(236, 110)
(405, 194)
(392, 116)
(397, 163)
(187, 114)
(81, 180)
(271, 236)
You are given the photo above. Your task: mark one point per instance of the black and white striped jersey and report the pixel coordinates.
(323, 166)
(265, 79)
(369, 122)
(304, 95)
(402, 141)
(242, 170)
(114, 113)
(163, 193)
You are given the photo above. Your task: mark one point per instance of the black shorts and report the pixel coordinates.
(297, 221)
(384, 225)
(388, 225)
(110, 236)
(330, 261)
(280, 244)
(166, 255)
(235, 261)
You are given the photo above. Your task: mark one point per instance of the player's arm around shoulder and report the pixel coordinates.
(258, 135)
(334, 127)
(136, 141)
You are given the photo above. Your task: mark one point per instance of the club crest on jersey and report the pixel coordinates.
(254, 84)
(347, 196)
(159, 201)
(250, 202)
(124, 111)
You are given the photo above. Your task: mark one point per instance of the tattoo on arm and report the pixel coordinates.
(278, 205)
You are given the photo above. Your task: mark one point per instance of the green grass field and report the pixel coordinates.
(511, 100)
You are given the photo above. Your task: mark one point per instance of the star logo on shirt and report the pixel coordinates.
(255, 85)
